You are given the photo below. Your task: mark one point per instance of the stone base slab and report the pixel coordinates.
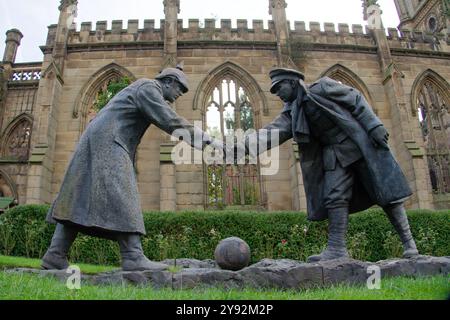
(268, 273)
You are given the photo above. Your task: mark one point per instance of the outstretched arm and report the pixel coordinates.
(270, 136)
(152, 104)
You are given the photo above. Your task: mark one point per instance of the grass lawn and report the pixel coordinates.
(10, 262)
(34, 287)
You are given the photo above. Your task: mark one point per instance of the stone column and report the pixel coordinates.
(4, 76)
(405, 131)
(277, 8)
(13, 38)
(401, 10)
(46, 110)
(171, 11)
(168, 180)
(68, 12)
(168, 193)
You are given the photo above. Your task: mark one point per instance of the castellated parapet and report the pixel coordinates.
(352, 37)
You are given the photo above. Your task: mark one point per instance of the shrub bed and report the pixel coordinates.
(24, 232)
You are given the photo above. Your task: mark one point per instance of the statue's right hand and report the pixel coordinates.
(379, 137)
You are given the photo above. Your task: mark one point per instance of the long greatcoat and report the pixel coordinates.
(99, 191)
(349, 110)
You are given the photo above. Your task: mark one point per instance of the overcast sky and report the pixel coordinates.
(32, 17)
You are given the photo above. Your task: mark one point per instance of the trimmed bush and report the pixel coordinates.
(24, 232)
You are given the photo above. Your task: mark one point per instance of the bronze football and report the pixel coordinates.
(232, 254)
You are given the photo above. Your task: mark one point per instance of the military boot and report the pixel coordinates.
(337, 229)
(133, 258)
(56, 255)
(397, 216)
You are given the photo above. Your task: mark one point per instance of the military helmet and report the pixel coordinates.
(177, 74)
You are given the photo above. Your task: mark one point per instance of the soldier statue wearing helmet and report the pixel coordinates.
(99, 194)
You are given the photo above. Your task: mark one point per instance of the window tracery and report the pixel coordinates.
(434, 118)
(228, 109)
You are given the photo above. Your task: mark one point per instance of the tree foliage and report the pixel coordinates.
(113, 88)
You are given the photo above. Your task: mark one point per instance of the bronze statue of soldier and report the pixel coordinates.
(344, 155)
(99, 194)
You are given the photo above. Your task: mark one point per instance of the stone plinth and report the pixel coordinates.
(268, 273)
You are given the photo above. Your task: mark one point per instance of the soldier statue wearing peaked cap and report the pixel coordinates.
(344, 155)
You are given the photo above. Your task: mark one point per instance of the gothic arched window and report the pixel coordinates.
(85, 107)
(345, 76)
(229, 109)
(434, 118)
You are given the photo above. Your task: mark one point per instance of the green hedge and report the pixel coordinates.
(24, 232)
